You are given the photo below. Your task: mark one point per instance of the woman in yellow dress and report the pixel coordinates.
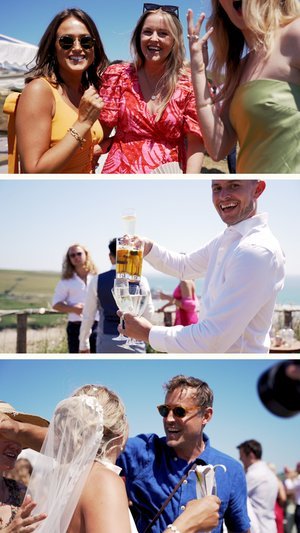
(57, 124)
(257, 58)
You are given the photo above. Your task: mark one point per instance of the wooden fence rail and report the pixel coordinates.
(22, 320)
(22, 323)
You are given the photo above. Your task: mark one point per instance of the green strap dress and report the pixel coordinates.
(265, 114)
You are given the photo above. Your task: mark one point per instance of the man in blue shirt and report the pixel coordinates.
(152, 466)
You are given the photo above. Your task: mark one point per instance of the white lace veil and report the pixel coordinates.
(73, 439)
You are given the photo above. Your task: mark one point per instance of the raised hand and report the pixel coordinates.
(198, 47)
(23, 521)
(90, 106)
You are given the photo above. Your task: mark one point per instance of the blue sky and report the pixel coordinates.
(36, 386)
(115, 19)
(42, 217)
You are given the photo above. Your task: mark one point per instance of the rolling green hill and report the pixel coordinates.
(21, 289)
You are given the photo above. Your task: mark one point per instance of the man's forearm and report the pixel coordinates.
(31, 436)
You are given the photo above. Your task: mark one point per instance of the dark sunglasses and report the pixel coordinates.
(67, 41)
(173, 10)
(178, 411)
(76, 254)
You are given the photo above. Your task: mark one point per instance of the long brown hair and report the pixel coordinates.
(175, 64)
(46, 63)
(68, 269)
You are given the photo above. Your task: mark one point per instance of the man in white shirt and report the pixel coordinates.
(262, 487)
(243, 270)
(70, 293)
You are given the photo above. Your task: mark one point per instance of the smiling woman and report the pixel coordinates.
(151, 101)
(57, 116)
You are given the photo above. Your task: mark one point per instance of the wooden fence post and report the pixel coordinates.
(22, 333)
(288, 318)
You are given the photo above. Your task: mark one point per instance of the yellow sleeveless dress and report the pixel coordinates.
(81, 161)
(265, 114)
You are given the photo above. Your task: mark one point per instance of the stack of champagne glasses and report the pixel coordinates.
(128, 292)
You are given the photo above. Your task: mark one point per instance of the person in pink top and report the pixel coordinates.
(187, 305)
(151, 102)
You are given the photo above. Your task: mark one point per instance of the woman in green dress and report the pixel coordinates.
(256, 58)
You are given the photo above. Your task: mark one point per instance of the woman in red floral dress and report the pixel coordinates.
(151, 102)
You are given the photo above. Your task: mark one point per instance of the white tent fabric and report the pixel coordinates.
(16, 55)
(15, 59)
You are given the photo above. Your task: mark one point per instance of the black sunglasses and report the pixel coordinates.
(67, 41)
(173, 10)
(76, 254)
(178, 411)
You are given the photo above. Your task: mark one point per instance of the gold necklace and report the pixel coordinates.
(153, 95)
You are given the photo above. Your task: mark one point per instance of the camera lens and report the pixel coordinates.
(279, 393)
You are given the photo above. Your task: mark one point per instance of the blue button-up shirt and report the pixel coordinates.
(152, 469)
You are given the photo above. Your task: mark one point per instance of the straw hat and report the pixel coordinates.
(7, 409)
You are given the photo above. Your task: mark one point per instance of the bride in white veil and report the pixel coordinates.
(75, 480)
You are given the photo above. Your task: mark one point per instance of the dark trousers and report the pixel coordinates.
(231, 161)
(73, 330)
(297, 518)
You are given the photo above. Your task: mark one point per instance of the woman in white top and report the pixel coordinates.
(75, 481)
(70, 293)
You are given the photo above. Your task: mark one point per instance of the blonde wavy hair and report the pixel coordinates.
(263, 18)
(176, 63)
(68, 269)
(115, 425)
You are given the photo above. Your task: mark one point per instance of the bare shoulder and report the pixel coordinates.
(104, 482)
(37, 93)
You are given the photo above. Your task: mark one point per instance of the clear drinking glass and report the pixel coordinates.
(120, 293)
(129, 220)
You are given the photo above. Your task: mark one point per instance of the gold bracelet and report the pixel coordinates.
(76, 136)
(208, 104)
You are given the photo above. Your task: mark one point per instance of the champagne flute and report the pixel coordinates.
(120, 291)
(129, 220)
(139, 297)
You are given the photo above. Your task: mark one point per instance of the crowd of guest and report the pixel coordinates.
(158, 112)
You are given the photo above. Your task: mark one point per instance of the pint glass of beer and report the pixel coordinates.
(129, 259)
(122, 258)
(135, 262)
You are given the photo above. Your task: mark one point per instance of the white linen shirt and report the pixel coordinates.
(244, 271)
(91, 306)
(72, 291)
(262, 488)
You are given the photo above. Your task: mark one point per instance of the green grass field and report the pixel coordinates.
(20, 289)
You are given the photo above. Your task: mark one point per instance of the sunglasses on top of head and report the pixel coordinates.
(178, 411)
(66, 42)
(173, 10)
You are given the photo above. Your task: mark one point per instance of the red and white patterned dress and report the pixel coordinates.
(142, 144)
